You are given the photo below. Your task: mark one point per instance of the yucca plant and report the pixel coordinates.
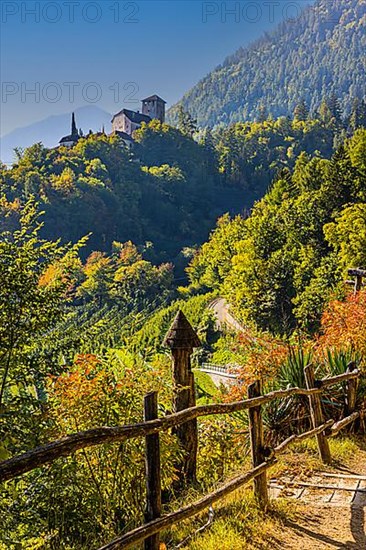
(284, 417)
(291, 373)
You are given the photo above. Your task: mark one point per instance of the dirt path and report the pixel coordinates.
(326, 527)
(338, 523)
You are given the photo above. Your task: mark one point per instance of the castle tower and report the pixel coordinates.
(154, 107)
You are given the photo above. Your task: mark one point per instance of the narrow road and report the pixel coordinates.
(224, 318)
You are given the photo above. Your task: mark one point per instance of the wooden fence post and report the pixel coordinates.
(153, 474)
(351, 390)
(317, 415)
(358, 284)
(257, 445)
(181, 339)
(359, 275)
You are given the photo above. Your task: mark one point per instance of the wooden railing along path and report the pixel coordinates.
(359, 275)
(182, 339)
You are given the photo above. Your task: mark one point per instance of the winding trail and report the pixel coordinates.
(327, 519)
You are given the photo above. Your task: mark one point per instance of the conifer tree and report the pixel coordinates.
(262, 114)
(335, 108)
(186, 123)
(357, 118)
(325, 113)
(301, 111)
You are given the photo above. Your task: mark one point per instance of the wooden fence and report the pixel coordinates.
(359, 275)
(182, 339)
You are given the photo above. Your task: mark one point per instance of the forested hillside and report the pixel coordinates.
(319, 53)
(99, 187)
(224, 240)
(82, 344)
(167, 194)
(279, 266)
(81, 333)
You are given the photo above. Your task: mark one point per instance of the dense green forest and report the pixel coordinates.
(254, 199)
(83, 316)
(82, 343)
(278, 266)
(98, 187)
(319, 53)
(167, 194)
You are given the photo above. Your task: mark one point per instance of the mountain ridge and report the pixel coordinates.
(317, 54)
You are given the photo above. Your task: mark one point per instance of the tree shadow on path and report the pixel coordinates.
(357, 528)
(358, 521)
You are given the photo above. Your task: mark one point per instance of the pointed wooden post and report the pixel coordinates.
(317, 415)
(181, 339)
(257, 445)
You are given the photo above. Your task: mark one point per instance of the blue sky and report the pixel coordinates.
(109, 53)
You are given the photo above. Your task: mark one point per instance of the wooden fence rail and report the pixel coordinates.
(157, 525)
(182, 339)
(359, 275)
(66, 446)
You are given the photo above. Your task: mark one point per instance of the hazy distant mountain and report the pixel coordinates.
(319, 53)
(50, 130)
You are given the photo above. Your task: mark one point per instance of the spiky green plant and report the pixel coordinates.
(283, 417)
(291, 373)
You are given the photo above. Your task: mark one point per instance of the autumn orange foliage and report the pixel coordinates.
(64, 273)
(94, 392)
(77, 393)
(343, 329)
(262, 357)
(343, 326)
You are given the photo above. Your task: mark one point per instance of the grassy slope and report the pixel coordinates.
(240, 524)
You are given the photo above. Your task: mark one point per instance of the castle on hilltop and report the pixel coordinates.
(125, 122)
